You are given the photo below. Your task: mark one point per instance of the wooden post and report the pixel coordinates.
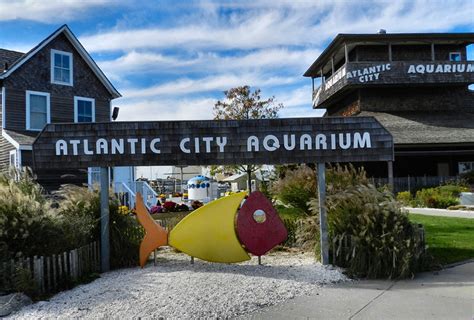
(390, 174)
(104, 220)
(192, 260)
(346, 53)
(322, 213)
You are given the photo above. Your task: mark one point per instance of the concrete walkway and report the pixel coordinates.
(441, 212)
(447, 294)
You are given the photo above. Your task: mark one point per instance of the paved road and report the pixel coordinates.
(447, 294)
(442, 212)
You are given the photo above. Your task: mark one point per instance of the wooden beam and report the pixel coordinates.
(390, 52)
(346, 53)
(323, 225)
(104, 220)
(332, 65)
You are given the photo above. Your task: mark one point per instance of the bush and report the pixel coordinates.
(28, 224)
(440, 197)
(297, 187)
(125, 232)
(383, 243)
(468, 177)
(404, 197)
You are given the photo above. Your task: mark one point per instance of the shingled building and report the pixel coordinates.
(415, 85)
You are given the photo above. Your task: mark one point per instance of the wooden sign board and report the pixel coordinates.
(212, 142)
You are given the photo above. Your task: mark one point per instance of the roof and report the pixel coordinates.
(77, 45)
(416, 127)
(8, 57)
(20, 139)
(378, 38)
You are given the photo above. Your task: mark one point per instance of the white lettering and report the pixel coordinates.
(221, 143)
(342, 144)
(252, 142)
(208, 141)
(305, 141)
(101, 146)
(117, 146)
(321, 142)
(362, 142)
(333, 141)
(420, 68)
(153, 145)
(132, 142)
(143, 146)
(275, 143)
(411, 69)
(74, 143)
(183, 147)
(196, 145)
(286, 144)
(86, 147)
(61, 146)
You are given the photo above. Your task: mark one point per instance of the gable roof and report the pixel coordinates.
(8, 58)
(77, 45)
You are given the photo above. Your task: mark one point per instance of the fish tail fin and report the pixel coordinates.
(155, 235)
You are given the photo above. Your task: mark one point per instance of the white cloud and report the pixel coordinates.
(48, 11)
(165, 109)
(289, 25)
(213, 83)
(276, 59)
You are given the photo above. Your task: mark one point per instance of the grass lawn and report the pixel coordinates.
(449, 239)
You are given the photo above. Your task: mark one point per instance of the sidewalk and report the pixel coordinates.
(442, 212)
(447, 294)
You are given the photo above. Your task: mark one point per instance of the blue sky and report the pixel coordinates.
(173, 59)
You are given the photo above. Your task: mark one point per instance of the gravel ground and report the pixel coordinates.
(176, 289)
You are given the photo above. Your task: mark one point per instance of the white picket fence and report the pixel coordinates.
(55, 272)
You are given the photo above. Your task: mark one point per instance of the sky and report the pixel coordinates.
(173, 59)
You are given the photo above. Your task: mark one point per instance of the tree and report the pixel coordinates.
(241, 103)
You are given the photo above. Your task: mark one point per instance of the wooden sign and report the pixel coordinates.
(212, 142)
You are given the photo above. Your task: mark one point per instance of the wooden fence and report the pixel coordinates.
(53, 273)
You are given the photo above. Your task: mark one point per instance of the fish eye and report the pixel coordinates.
(259, 216)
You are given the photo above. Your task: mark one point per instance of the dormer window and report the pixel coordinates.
(61, 67)
(455, 56)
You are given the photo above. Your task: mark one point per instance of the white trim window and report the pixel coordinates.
(13, 159)
(455, 56)
(84, 109)
(61, 67)
(38, 110)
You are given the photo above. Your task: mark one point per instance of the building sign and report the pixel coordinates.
(441, 68)
(267, 141)
(369, 74)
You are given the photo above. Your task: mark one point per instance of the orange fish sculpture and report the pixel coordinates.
(218, 231)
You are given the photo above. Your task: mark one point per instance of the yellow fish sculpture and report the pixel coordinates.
(209, 233)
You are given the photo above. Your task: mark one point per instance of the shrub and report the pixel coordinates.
(439, 197)
(125, 232)
(404, 197)
(297, 187)
(383, 243)
(468, 177)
